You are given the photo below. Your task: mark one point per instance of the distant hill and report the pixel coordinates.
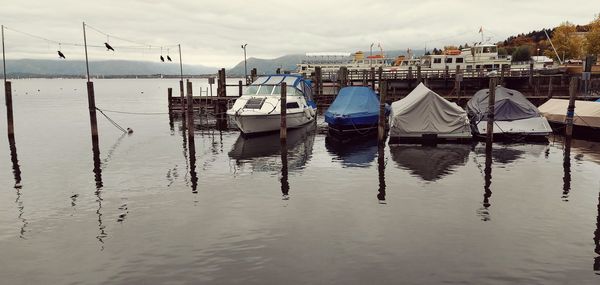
(288, 62)
(24, 67)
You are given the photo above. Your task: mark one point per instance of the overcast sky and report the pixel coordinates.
(211, 32)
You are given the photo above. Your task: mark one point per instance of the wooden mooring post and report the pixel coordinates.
(9, 108)
(318, 80)
(409, 76)
(381, 126)
(419, 78)
(373, 78)
(457, 81)
(573, 87)
(92, 109)
(283, 112)
(190, 109)
(491, 109)
(253, 74)
(240, 89)
(182, 103)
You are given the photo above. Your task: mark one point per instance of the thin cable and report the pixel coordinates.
(132, 113)
(141, 44)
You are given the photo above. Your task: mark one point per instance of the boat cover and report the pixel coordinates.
(598, 100)
(587, 113)
(510, 105)
(425, 112)
(358, 104)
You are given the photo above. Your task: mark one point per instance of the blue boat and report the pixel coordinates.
(354, 110)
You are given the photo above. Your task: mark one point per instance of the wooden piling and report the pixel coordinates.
(373, 78)
(573, 85)
(240, 89)
(283, 112)
(381, 126)
(190, 109)
(419, 75)
(170, 98)
(9, 108)
(409, 76)
(491, 107)
(447, 75)
(531, 75)
(253, 74)
(550, 87)
(380, 74)
(457, 81)
(318, 80)
(278, 71)
(92, 109)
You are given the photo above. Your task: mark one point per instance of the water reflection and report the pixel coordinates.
(261, 153)
(102, 234)
(566, 169)
(597, 240)
(17, 176)
(430, 162)
(352, 153)
(381, 172)
(192, 152)
(285, 185)
(484, 211)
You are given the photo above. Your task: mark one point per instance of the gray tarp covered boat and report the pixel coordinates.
(424, 116)
(514, 115)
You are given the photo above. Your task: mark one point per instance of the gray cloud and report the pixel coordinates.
(211, 31)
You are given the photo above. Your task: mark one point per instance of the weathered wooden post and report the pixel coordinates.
(224, 82)
(240, 88)
(491, 110)
(373, 78)
(9, 107)
(409, 77)
(253, 74)
(446, 75)
(170, 98)
(318, 80)
(380, 74)
(531, 75)
(550, 86)
(457, 80)
(278, 71)
(190, 109)
(573, 85)
(364, 78)
(419, 76)
(285, 185)
(183, 123)
(283, 112)
(381, 126)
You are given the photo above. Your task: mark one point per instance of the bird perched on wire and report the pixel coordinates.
(108, 47)
(61, 55)
(162, 58)
(169, 58)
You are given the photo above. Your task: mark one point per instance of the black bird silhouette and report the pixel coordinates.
(108, 47)
(61, 55)
(162, 58)
(169, 58)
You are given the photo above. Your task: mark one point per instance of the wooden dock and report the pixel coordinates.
(455, 85)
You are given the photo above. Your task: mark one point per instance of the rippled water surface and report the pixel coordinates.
(333, 214)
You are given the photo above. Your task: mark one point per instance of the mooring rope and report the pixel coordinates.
(112, 122)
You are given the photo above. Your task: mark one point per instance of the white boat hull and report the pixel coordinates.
(251, 124)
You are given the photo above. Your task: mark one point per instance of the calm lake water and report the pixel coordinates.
(342, 215)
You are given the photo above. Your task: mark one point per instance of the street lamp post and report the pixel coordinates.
(245, 64)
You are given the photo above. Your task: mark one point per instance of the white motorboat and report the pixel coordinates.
(258, 109)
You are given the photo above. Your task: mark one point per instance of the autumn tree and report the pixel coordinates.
(566, 41)
(523, 53)
(593, 37)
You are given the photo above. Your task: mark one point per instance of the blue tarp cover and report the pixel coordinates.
(354, 105)
(598, 100)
